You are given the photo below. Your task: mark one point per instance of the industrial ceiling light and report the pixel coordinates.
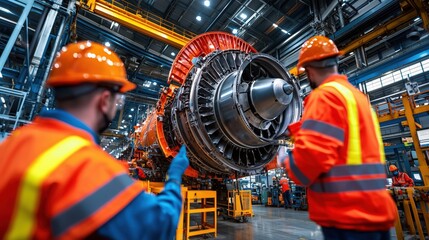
(154, 83)
(198, 18)
(173, 54)
(5, 10)
(234, 31)
(132, 109)
(207, 3)
(2, 99)
(243, 16)
(284, 31)
(107, 44)
(130, 116)
(275, 25)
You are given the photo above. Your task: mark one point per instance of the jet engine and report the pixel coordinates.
(227, 103)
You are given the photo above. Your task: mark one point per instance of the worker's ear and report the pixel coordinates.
(105, 100)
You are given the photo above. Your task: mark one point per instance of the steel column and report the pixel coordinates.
(409, 114)
(15, 33)
(340, 14)
(44, 39)
(328, 10)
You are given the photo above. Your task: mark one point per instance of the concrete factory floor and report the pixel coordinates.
(270, 223)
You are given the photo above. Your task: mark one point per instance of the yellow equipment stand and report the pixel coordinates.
(205, 201)
(416, 204)
(240, 205)
(200, 202)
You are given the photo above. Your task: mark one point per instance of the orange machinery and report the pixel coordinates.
(227, 103)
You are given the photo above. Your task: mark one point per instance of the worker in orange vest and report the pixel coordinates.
(57, 182)
(338, 152)
(284, 183)
(400, 179)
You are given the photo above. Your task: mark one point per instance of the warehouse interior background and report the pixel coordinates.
(385, 43)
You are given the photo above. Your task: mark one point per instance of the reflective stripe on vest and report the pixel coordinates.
(324, 128)
(378, 133)
(365, 177)
(353, 176)
(24, 216)
(354, 154)
(89, 205)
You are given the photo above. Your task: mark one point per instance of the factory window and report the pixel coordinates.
(397, 76)
(387, 79)
(425, 65)
(374, 84)
(412, 70)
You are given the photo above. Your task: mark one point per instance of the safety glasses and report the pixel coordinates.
(119, 101)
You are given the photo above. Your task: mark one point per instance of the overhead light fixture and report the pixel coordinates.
(234, 31)
(123, 121)
(107, 44)
(198, 18)
(243, 16)
(416, 19)
(275, 25)
(5, 10)
(116, 24)
(1, 75)
(130, 116)
(207, 3)
(173, 54)
(5, 105)
(351, 53)
(132, 109)
(284, 31)
(2, 99)
(154, 83)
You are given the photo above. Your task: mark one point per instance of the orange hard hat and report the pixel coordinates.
(315, 49)
(392, 168)
(88, 62)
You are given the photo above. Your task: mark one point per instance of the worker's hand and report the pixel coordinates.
(178, 165)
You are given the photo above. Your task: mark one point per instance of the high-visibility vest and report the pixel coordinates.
(402, 180)
(285, 184)
(57, 183)
(351, 193)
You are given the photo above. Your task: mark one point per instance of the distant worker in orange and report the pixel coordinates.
(58, 183)
(284, 183)
(338, 153)
(400, 179)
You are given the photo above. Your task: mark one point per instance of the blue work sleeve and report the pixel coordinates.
(147, 216)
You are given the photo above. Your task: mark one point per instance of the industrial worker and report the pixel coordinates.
(57, 182)
(338, 152)
(400, 179)
(284, 183)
